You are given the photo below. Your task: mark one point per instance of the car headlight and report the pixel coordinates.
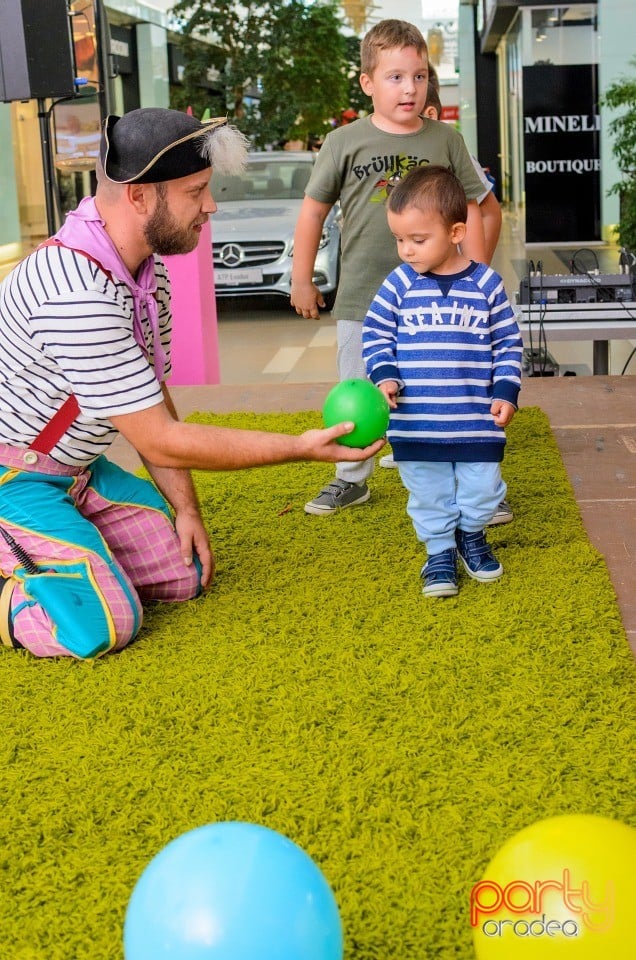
(325, 238)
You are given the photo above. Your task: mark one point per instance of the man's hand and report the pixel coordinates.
(193, 537)
(502, 412)
(306, 298)
(321, 445)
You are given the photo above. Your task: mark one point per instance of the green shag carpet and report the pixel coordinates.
(400, 741)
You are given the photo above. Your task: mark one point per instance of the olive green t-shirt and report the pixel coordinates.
(353, 166)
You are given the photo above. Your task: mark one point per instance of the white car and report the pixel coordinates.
(253, 228)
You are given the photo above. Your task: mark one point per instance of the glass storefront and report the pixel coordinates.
(511, 116)
(550, 123)
(73, 130)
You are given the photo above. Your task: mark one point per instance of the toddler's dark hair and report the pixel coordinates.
(431, 188)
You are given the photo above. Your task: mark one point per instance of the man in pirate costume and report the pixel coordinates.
(85, 327)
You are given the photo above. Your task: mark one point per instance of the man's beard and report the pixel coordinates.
(164, 235)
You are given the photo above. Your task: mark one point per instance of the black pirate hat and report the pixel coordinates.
(154, 144)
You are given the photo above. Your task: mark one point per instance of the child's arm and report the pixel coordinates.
(305, 296)
(502, 412)
(507, 353)
(491, 217)
(391, 390)
(379, 340)
(473, 245)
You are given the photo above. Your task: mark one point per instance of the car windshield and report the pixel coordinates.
(263, 180)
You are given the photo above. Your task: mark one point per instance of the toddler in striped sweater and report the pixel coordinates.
(441, 342)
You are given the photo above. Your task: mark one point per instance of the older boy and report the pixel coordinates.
(354, 166)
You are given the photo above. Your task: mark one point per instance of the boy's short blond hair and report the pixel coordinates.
(389, 35)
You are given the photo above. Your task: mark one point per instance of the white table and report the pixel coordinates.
(599, 322)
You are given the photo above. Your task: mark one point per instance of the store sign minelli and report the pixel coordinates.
(562, 153)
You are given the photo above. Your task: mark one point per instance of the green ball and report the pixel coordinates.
(361, 402)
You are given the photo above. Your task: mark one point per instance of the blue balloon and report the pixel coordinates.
(232, 891)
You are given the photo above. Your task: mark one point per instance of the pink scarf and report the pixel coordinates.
(84, 230)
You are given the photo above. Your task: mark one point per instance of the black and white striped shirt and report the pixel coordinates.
(66, 327)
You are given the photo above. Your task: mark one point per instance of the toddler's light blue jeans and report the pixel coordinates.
(444, 496)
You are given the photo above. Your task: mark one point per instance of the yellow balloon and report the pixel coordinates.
(561, 889)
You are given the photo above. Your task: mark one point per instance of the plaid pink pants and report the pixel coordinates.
(103, 540)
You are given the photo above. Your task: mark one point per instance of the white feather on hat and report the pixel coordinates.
(153, 144)
(225, 148)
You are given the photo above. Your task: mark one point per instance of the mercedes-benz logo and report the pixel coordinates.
(231, 254)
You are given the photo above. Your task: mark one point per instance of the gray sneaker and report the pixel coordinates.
(504, 514)
(337, 495)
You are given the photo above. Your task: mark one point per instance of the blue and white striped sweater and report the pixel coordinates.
(452, 355)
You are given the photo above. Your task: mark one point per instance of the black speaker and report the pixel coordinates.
(36, 50)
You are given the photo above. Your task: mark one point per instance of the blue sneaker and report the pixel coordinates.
(478, 559)
(440, 574)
